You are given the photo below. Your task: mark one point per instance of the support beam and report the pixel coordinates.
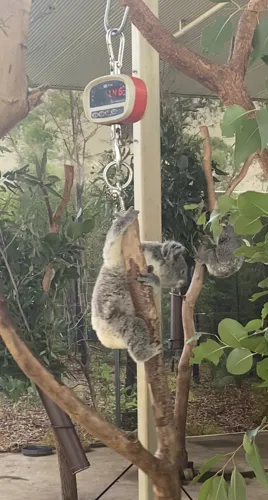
(147, 189)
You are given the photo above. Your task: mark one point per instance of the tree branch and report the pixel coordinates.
(191, 64)
(184, 367)
(244, 35)
(211, 196)
(240, 176)
(15, 103)
(145, 308)
(122, 442)
(69, 180)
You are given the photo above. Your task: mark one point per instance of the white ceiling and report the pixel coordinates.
(67, 49)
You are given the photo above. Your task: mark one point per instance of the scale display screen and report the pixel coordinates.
(109, 92)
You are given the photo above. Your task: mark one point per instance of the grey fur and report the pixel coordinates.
(113, 313)
(221, 261)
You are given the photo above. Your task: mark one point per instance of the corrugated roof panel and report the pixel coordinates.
(67, 48)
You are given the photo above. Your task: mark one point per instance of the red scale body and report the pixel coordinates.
(115, 99)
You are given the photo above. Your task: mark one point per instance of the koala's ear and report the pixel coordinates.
(172, 250)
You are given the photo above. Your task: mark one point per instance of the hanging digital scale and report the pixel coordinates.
(115, 99)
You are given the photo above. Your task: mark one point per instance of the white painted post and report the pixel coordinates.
(147, 193)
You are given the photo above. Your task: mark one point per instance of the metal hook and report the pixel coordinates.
(115, 31)
(115, 64)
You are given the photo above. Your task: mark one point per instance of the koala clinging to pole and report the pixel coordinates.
(221, 261)
(113, 313)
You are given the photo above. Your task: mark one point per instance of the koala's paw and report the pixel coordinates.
(148, 352)
(124, 220)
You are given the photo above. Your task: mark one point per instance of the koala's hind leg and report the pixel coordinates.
(112, 252)
(137, 338)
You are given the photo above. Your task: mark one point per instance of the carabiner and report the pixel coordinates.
(115, 31)
(115, 64)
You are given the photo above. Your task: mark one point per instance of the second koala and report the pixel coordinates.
(221, 261)
(113, 313)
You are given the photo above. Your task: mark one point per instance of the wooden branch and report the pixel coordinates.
(184, 368)
(14, 100)
(54, 219)
(69, 180)
(240, 176)
(122, 442)
(211, 196)
(145, 308)
(244, 35)
(191, 64)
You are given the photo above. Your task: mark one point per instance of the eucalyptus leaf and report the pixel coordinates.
(233, 119)
(215, 35)
(260, 41)
(264, 311)
(210, 350)
(258, 295)
(207, 466)
(253, 204)
(230, 332)
(246, 226)
(262, 119)
(237, 490)
(254, 461)
(262, 369)
(53, 239)
(206, 490)
(247, 141)
(239, 361)
(253, 325)
(225, 203)
(191, 206)
(264, 283)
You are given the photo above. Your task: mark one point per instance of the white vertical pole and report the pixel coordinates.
(147, 193)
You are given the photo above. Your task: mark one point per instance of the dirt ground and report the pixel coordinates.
(21, 477)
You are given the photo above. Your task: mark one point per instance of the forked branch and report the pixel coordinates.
(122, 442)
(240, 176)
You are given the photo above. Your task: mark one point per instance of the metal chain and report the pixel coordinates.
(120, 181)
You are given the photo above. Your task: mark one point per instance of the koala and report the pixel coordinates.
(113, 313)
(221, 261)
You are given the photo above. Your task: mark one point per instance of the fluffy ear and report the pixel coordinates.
(172, 249)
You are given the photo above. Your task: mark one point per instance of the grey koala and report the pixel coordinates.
(113, 313)
(221, 261)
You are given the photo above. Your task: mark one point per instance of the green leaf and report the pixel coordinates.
(265, 60)
(262, 119)
(219, 488)
(238, 486)
(216, 35)
(253, 204)
(230, 332)
(206, 490)
(216, 229)
(225, 203)
(254, 461)
(87, 226)
(201, 221)
(210, 350)
(264, 311)
(264, 283)
(247, 141)
(53, 178)
(233, 119)
(256, 296)
(239, 361)
(262, 369)
(256, 343)
(253, 325)
(207, 466)
(247, 444)
(53, 239)
(191, 206)
(260, 41)
(246, 226)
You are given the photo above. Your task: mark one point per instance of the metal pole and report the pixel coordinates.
(147, 194)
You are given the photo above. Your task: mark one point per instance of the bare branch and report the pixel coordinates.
(69, 179)
(191, 64)
(244, 35)
(145, 308)
(212, 200)
(124, 443)
(240, 176)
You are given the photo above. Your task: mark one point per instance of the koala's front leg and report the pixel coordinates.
(150, 279)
